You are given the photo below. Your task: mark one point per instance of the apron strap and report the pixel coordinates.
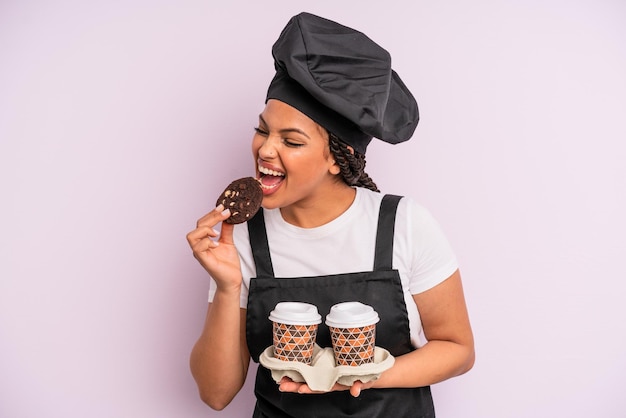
(260, 247)
(383, 258)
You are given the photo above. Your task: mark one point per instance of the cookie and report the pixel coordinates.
(243, 197)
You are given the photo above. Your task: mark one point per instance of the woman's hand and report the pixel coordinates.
(288, 385)
(218, 256)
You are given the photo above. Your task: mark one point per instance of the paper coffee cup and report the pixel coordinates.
(353, 333)
(294, 331)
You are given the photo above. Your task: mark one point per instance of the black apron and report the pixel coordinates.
(380, 288)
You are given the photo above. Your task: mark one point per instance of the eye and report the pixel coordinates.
(260, 131)
(292, 143)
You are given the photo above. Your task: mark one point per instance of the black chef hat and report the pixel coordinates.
(342, 80)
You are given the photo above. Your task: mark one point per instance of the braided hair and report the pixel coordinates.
(351, 164)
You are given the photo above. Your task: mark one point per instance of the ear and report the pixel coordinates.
(334, 169)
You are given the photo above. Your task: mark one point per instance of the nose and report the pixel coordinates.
(267, 150)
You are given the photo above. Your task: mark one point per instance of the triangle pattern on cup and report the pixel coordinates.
(354, 346)
(294, 342)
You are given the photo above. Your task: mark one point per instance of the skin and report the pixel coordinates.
(310, 195)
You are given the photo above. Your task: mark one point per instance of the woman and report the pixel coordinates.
(325, 235)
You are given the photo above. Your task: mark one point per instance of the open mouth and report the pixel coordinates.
(270, 179)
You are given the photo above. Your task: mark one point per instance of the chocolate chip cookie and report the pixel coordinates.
(243, 197)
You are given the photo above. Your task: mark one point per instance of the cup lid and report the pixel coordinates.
(295, 313)
(351, 314)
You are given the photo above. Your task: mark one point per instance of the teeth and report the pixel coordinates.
(270, 172)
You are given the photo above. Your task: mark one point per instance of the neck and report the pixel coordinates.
(321, 210)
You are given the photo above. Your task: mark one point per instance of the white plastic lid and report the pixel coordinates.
(350, 315)
(295, 313)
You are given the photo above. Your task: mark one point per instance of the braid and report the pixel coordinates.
(352, 165)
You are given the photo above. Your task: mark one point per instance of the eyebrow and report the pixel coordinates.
(286, 130)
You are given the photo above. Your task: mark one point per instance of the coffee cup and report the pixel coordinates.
(353, 333)
(294, 331)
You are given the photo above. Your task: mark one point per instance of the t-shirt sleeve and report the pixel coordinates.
(430, 256)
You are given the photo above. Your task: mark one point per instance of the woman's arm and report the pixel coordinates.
(219, 360)
(449, 351)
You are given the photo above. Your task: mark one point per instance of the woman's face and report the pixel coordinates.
(294, 162)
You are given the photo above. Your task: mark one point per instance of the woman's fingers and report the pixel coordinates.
(226, 236)
(288, 385)
(205, 238)
(204, 226)
(355, 389)
(201, 233)
(214, 217)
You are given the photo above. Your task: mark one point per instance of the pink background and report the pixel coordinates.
(121, 121)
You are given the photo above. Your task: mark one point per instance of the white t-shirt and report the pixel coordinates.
(421, 252)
